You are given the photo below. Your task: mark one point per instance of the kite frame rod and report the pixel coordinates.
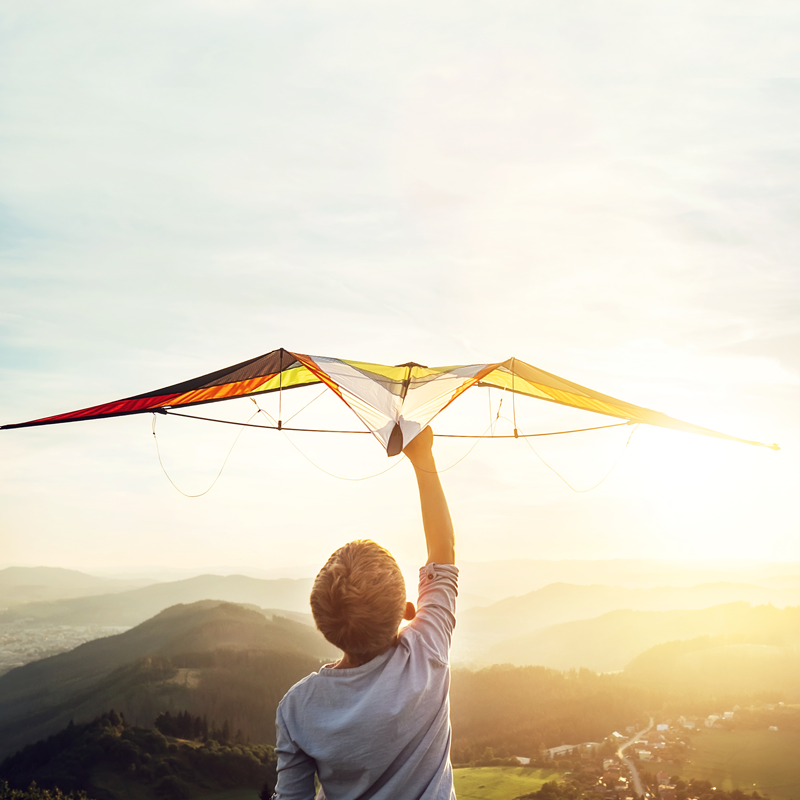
(439, 435)
(529, 435)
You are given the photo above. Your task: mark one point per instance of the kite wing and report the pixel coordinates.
(394, 403)
(268, 373)
(517, 376)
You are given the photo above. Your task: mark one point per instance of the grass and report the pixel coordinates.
(763, 761)
(500, 783)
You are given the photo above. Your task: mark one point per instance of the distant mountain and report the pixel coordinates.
(480, 629)
(481, 583)
(496, 580)
(20, 585)
(135, 606)
(170, 659)
(609, 642)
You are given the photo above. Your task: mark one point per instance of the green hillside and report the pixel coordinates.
(208, 657)
(499, 783)
(748, 760)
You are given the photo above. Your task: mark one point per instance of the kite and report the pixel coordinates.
(394, 403)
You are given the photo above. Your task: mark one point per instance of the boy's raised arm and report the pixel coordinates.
(436, 521)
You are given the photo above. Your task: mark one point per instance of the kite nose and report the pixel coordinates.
(395, 446)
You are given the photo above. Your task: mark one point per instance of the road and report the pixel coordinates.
(637, 781)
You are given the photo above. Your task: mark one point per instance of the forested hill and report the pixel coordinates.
(512, 710)
(760, 664)
(138, 605)
(183, 651)
(110, 759)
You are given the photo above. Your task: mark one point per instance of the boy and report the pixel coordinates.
(376, 724)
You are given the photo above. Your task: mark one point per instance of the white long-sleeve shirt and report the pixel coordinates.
(380, 731)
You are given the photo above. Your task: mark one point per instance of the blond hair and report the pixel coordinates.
(359, 598)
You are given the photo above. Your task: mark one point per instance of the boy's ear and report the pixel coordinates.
(410, 612)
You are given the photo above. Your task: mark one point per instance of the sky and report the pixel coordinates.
(609, 191)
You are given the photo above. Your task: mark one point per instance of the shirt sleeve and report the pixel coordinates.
(436, 607)
(296, 769)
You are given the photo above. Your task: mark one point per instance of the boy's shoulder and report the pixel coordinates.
(298, 691)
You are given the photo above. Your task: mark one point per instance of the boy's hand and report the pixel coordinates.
(420, 449)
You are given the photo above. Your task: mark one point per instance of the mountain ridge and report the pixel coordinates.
(481, 628)
(137, 605)
(612, 641)
(20, 585)
(123, 671)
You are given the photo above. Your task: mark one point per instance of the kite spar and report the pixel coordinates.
(393, 403)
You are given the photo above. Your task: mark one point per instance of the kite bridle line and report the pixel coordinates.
(313, 464)
(478, 438)
(367, 477)
(163, 468)
(279, 426)
(613, 466)
(248, 424)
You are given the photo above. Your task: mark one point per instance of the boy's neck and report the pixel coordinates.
(348, 661)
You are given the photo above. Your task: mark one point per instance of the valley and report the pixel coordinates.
(559, 665)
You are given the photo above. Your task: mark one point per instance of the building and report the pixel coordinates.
(571, 749)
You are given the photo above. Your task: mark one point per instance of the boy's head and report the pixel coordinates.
(359, 598)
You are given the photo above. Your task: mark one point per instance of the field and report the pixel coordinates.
(500, 783)
(763, 761)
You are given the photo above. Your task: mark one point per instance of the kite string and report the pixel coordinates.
(317, 466)
(492, 425)
(582, 491)
(478, 440)
(382, 472)
(177, 488)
